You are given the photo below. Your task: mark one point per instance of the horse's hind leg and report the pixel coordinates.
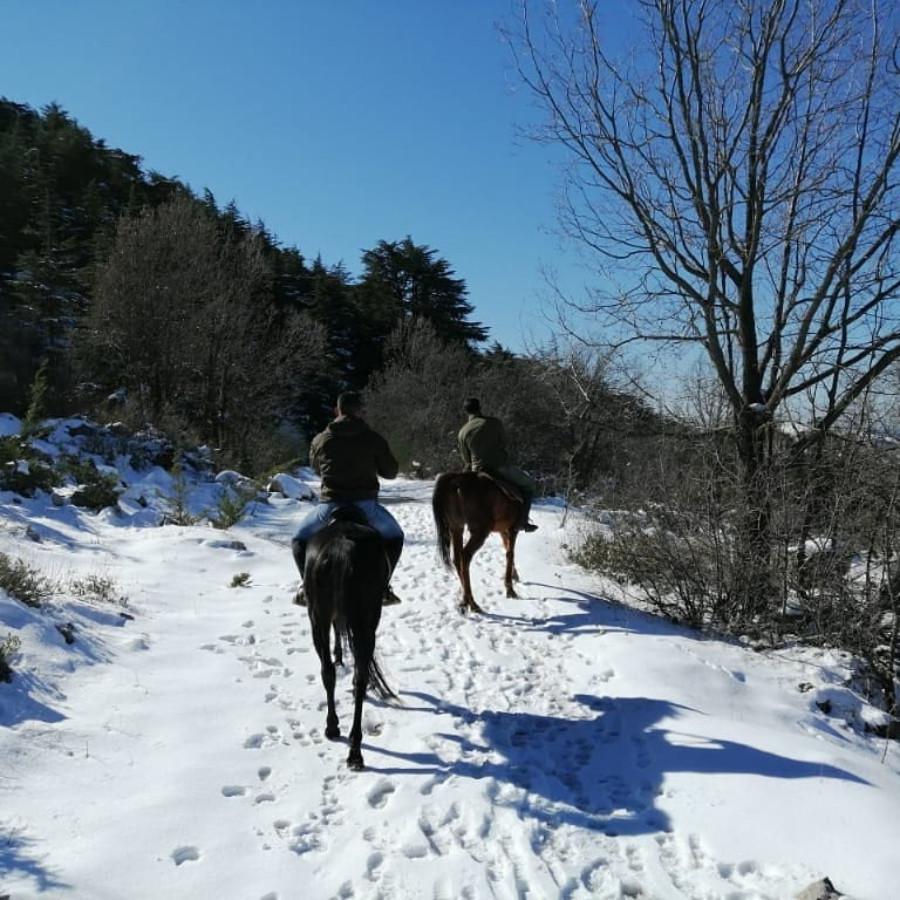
(360, 684)
(509, 544)
(476, 539)
(321, 633)
(456, 539)
(338, 647)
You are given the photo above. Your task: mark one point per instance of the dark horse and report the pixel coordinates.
(474, 500)
(345, 577)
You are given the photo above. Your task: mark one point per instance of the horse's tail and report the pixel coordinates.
(360, 584)
(441, 499)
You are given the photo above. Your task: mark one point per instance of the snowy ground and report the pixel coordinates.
(559, 746)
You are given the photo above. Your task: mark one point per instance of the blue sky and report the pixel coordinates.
(338, 123)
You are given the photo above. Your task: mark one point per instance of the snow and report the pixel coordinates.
(9, 425)
(561, 745)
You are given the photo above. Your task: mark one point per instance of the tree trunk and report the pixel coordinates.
(754, 539)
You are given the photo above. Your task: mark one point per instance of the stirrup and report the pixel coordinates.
(300, 597)
(390, 598)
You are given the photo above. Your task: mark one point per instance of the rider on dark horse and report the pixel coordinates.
(482, 446)
(349, 456)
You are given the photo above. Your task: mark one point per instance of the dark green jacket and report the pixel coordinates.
(350, 456)
(482, 444)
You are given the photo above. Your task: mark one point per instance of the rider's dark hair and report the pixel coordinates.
(349, 403)
(472, 406)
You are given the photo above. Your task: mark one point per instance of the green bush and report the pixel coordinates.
(80, 470)
(99, 589)
(177, 512)
(24, 582)
(98, 493)
(9, 646)
(231, 505)
(39, 475)
(242, 579)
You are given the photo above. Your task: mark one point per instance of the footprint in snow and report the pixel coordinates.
(373, 864)
(379, 794)
(233, 790)
(258, 740)
(185, 854)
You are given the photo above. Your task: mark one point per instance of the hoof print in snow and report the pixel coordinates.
(185, 854)
(379, 794)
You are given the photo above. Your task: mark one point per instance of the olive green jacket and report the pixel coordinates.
(350, 456)
(482, 444)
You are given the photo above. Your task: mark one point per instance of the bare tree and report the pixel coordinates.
(183, 317)
(736, 176)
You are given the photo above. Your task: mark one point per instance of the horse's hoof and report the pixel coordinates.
(512, 594)
(332, 733)
(355, 763)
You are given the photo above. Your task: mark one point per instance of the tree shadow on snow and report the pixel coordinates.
(18, 860)
(18, 704)
(601, 772)
(594, 615)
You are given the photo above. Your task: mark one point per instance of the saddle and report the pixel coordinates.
(509, 489)
(347, 512)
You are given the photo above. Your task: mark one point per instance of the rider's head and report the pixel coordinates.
(472, 406)
(349, 403)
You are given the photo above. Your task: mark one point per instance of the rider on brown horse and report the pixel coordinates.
(482, 446)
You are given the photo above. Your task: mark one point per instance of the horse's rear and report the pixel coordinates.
(470, 500)
(345, 578)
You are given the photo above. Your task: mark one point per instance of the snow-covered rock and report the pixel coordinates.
(290, 487)
(9, 425)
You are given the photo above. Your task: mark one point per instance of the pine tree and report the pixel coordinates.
(403, 280)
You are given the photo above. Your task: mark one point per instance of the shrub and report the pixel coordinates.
(176, 506)
(99, 589)
(37, 405)
(242, 579)
(231, 505)
(97, 493)
(24, 582)
(9, 646)
(34, 475)
(684, 571)
(79, 469)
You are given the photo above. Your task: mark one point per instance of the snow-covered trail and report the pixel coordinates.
(558, 746)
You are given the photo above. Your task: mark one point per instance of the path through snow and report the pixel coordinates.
(558, 746)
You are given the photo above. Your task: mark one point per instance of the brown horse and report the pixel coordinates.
(475, 501)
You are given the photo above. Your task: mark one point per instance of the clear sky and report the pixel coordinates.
(338, 124)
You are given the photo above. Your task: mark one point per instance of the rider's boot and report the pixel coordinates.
(393, 547)
(524, 524)
(298, 548)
